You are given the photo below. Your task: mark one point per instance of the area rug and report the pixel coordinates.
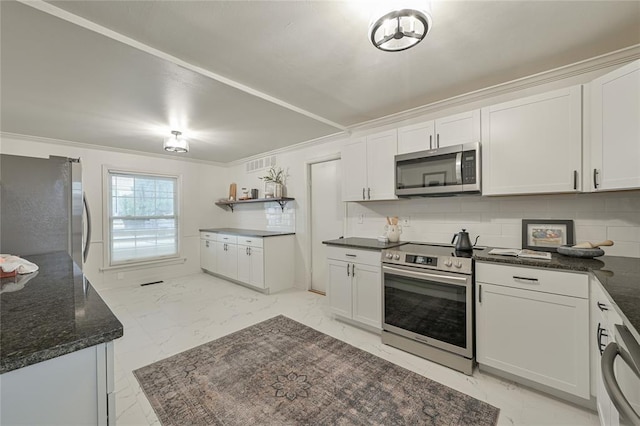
(281, 372)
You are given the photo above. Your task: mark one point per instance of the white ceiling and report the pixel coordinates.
(294, 71)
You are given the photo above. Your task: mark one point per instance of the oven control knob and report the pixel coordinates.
(458, 264)
(389, 256)
(448, 263)
(396, 256)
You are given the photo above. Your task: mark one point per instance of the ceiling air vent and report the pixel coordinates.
(260, 164)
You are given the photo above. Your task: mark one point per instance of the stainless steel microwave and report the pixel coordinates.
(444, 171)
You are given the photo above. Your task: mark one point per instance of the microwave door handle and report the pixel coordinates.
(459, 168)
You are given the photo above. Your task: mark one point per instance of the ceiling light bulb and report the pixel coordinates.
(176, 143)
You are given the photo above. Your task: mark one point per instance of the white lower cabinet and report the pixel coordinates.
(534, 324)
(227, 258)
(355, 285)
(251, 261)
(72, 389)
(261, 263)
(208, 251)
(603, 320)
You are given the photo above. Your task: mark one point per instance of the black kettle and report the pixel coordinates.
(464, 242)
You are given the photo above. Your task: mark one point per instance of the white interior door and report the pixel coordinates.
(327, 214)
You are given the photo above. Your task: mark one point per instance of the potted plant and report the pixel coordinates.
(274, 182)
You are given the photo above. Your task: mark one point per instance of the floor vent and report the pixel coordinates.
(154, 282)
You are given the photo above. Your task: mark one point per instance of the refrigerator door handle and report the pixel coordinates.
(85, 252)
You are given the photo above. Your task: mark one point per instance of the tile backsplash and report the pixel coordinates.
(498, 220)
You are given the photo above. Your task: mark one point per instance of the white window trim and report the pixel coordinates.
(106, 229)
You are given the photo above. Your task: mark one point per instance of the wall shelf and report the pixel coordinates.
(230, 204)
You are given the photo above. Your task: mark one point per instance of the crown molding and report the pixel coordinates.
(52, 141)
(318, 141)
(617, 57)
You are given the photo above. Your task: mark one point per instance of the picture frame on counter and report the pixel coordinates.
(547, 234)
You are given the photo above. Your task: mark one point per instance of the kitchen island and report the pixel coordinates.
(56, 346)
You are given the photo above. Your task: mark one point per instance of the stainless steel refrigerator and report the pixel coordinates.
(41, 207)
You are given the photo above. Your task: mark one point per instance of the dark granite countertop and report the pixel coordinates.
(557, 261)
(56, 313)
(362, 243)
(619, 276)
(247, 232)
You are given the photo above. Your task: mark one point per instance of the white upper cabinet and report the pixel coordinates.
(533, 145)
(370, 167)
(458, 129)
(615, 129)
(452, 130)
(416, 137)
(354, 162)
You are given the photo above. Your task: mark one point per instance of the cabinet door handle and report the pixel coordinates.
(599, 335)
(480, 293)
(430, 141)
(249, 250)
(595, 178)
(531, 280)
(353, 270)
(363, 194)
(575, 179)
(206, 244)
(348, 274)
(602, 306)
(369, 192)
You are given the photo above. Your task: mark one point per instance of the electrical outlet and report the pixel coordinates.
(406, 222)
(361, 218)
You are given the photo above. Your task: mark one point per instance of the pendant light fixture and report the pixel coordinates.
(176, 143)
(400, 26)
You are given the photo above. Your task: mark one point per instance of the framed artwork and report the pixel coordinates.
(546, 234)
(434, 179)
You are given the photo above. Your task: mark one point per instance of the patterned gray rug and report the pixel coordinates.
(281, 372)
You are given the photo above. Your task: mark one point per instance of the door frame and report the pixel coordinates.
(307, 177)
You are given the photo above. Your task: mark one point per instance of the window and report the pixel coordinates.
(143, 217)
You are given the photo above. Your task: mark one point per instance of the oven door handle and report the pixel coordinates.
(462, 281)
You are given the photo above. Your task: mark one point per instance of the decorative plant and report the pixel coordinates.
(274, 175)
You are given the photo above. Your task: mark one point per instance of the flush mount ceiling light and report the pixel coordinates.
(176, 143)
(399, 29)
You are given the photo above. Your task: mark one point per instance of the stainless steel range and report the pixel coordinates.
(428, 303)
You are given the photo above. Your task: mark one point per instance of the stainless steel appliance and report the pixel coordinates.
(428, 303)
(622, 381)
(443, 171)
(42, 207)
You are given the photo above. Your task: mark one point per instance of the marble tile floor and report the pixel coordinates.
(164, 319)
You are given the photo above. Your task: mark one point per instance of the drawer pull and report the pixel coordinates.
(531, 280)
(351, 255)
(602, 306)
